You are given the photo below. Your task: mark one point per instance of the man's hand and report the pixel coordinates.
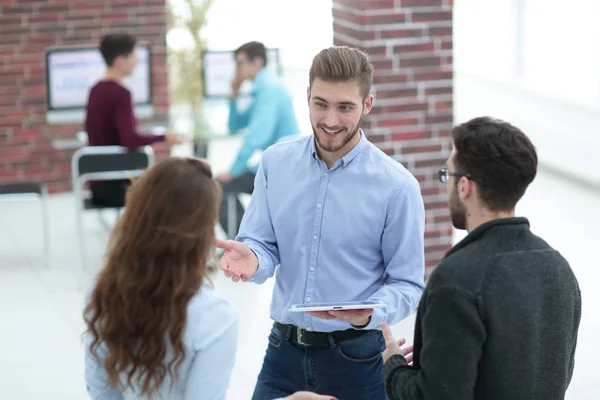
(393, 347)
(353, 317)
(236, 82)
(224, 177)
(173, 138)
(238, 261)
(308, 396)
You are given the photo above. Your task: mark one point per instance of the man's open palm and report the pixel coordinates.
(238, 261)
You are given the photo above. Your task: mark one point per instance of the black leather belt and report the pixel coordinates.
(303, 337)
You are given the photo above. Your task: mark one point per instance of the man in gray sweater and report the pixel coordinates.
(499, 317)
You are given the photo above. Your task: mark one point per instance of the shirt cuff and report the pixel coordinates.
(377, 318)
(391, 365)
(262, 272)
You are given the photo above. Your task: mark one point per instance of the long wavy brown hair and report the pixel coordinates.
(156, 261)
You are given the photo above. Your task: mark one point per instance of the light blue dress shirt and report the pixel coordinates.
(269, 117)
(210, 340)
(349, 233)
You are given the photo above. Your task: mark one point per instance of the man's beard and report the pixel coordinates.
(458, 213)
(347, 138)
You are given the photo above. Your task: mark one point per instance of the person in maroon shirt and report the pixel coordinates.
(110, 120)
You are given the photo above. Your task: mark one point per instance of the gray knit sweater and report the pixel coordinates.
(498, 321)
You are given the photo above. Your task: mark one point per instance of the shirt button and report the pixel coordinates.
(308, 328)
(315, 237)
(326, 174)
(308, 299)
(312, 268)
(319, 205)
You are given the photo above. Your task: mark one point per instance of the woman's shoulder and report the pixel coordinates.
(209, 316)
(206, 296)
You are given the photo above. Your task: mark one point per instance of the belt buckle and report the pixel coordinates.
(299, 337)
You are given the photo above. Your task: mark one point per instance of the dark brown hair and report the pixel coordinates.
(343, 63)
(115, 45)
(155, 263)
(499, 157)
(253, 50)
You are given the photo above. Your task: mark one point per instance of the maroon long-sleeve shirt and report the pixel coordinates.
(110, 120)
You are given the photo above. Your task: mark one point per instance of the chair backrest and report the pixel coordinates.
(17, 188)
(109, 163)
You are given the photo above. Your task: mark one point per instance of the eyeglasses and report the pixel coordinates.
(444, 174)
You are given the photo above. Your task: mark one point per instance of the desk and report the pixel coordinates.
(81, 138)
(68, 144)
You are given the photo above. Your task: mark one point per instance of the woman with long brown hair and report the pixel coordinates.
(155, 329)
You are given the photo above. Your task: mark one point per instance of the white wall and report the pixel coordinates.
(552, 45)
(561, 48)
(485, 36)
(535, 63)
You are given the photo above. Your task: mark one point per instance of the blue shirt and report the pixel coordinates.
(353, 232)
(210, 341)
(269, 117)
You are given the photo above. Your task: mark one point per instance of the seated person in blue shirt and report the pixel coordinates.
(343, 222)
(270, 117)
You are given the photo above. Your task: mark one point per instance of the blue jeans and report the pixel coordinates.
(348, 370)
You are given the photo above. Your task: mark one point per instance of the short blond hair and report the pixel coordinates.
(343, 63)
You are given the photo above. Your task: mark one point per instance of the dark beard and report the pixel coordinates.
(458, 213)
(347, 139)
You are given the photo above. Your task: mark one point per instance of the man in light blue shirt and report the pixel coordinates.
(340, 221)
(269, 117)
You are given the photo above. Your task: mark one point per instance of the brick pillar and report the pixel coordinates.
(410, 45)
(28, 28)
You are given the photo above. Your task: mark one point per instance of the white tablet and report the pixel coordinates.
(348, 305)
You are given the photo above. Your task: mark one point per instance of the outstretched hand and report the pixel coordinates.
(173, 138)
(238, 261)
(393, 346)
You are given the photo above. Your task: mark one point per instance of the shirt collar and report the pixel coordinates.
(348, 158)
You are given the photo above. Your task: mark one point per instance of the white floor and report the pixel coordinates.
(40, 309)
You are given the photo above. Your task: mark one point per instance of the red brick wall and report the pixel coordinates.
(27, 29)
(410, 45)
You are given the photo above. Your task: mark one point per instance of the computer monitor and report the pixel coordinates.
(72, 71)
(218, 69)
